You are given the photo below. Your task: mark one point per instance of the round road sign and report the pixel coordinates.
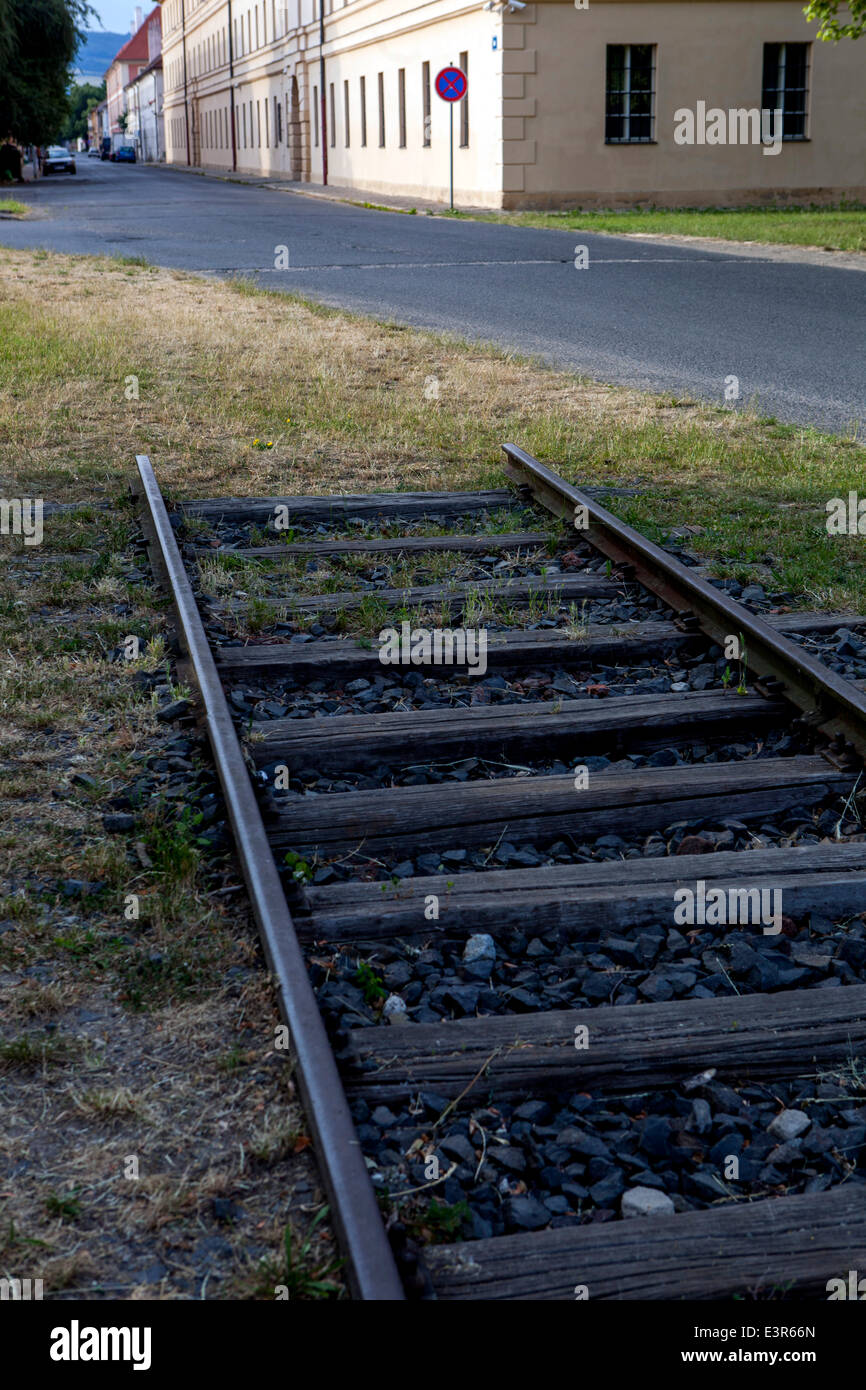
(451, 84)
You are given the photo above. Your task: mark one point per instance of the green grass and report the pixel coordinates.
(372, 985)
(30, 1052)
(840, 228)
(13, 206)
(65, 1206)
(304, 1271)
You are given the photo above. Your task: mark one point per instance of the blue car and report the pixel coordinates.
(125, 155)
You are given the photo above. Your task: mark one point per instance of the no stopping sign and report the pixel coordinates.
(451, 84)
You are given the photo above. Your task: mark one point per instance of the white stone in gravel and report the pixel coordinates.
(646, 1201)
(479, 955)
(394, 1009)
(680, 685)
(789, 1124)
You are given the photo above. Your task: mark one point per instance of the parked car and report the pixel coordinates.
(106, 147)
(93, 152)
(125, 154)
(58, 161)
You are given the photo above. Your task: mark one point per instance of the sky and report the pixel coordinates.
(116, 15)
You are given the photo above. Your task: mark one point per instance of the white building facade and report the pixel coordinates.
(144, 97)
(569, 103)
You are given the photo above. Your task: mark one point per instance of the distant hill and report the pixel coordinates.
(96, 53)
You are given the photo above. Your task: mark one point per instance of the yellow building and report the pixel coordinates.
(570, 102)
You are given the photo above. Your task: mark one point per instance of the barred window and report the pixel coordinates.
(630, 99)
(425, 102)
(786, 87)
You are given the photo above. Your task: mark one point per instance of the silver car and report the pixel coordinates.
(58, 161)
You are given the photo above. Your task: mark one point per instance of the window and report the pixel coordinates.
(333, 115)
(401, 105)
(381, 110)
(786, 87)
(630, 105)
(425, 102)
(267, 125)
(363, 110)
(464, 105)
(315, 116)
(346, 110)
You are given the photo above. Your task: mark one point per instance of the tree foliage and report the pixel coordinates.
(83, 96)
(833, 27)
(38, 43)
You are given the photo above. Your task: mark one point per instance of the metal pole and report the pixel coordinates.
(451, 152)
(185, 101)
(324, 118)
(232, 91)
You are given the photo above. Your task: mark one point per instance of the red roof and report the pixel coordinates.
(135, 50)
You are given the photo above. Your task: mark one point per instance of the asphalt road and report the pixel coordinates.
(666, 318)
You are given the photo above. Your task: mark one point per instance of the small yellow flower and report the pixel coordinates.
(255, 441)
(270, 444)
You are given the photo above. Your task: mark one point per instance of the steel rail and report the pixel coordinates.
(371, 1269)
(830, 703)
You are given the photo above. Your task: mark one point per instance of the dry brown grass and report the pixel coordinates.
(224, 370)
(97, 1068)
(218, 368)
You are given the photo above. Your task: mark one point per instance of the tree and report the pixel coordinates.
(83, 96)
(830, 27)
(38, 43)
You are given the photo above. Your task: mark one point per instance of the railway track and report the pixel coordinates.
(609, 884)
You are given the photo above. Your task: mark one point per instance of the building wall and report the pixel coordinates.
(536, 108)
(268, 83)
(711, 52)
(369, 37)
(115, 80)
(145, 98)
(140, 49)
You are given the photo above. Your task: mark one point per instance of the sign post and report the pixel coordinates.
(451, 85)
